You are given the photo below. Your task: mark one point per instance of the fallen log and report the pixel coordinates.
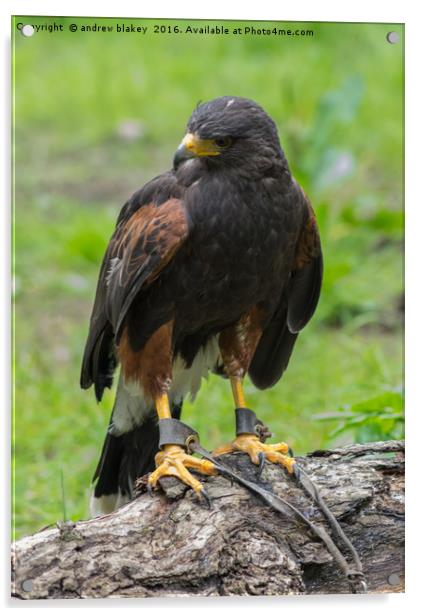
(170, 545)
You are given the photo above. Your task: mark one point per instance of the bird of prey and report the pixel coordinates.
(214, 266)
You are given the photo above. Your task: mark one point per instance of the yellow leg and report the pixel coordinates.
(250, 443)
(238, 394)
(173, 461)
(162, 405)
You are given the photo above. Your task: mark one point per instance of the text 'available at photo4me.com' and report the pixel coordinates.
(141, 28)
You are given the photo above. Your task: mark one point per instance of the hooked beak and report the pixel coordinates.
(192, 146)
(182, 153)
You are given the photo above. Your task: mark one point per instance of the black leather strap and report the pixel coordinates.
(174, 432)
(246, 421)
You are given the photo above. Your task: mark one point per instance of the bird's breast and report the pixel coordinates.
(239, 225)
(238, 252)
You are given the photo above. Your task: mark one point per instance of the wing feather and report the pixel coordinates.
(306, 278)
(146, 238)
(296, 306)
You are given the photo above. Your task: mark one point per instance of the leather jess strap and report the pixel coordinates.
(248, 423)
(175, 432)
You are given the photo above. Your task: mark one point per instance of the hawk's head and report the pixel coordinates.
(231, 131)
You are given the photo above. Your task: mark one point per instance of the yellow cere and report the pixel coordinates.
(200, 147)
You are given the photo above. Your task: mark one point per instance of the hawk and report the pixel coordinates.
(215, 265)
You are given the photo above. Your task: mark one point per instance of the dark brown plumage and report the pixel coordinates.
(214, 265)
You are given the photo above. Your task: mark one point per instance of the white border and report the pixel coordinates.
(323, 10)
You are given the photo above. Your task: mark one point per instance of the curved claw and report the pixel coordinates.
(223, 472)
(290, 452)
(204, 498)
(261, 458)
(149, 490)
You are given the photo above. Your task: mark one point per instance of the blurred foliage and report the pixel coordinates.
(378, 419)
(97, 115)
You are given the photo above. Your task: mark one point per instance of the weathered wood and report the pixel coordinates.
(171, 546)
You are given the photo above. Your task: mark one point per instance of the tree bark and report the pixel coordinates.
(170, 545)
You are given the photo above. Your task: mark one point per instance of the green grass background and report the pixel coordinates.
(97, 115)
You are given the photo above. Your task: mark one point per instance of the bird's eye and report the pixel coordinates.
(223, 142)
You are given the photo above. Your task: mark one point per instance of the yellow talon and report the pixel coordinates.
(173, 461)
(250, 444)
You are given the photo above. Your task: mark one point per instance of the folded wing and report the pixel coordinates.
(296, 306)
(145, 240)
